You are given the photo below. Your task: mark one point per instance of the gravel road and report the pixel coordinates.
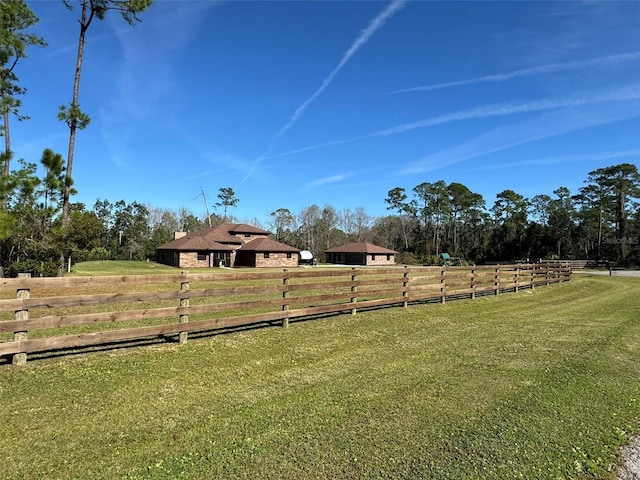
(630, 468)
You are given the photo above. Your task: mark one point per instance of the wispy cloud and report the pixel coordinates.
(558, 159)
(216, 162)
(328, 180)
(319, 146)
(550, 124)
(628, 92)
(360, 41)
(526, 72)
(136, 98)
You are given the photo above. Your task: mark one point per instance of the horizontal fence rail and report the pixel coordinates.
(52, 314)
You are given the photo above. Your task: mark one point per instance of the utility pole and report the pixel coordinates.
(206, 207)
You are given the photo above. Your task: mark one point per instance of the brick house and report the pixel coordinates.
(227, 245)
(264, 252)
(361, 253)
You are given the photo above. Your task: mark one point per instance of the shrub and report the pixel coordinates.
(37, 268)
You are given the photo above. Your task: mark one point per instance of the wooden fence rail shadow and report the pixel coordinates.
(69, 314)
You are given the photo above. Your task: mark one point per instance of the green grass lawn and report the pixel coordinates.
(132, 267)
(541, 384)
(119, 267)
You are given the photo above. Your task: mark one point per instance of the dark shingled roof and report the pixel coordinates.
(361, 247)
(243, 228)
(267, 245)
(193, 242)
(225, 233)
(215, 238)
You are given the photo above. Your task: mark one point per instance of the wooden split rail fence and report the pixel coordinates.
(62, 314)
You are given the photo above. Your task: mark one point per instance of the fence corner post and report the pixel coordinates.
(443, 284)
(496, 281)
(285, 298)
(22, 315)
(184, 305)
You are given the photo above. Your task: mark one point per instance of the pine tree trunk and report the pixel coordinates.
(73, 123)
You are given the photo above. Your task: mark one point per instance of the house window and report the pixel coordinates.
(388, 257)
(266, 254)
(288, 255)
(202, 255)
(247, 235)
(373, 257)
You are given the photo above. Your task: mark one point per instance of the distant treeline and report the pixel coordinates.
(600, 221)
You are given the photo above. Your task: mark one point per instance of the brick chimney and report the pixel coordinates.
(177, 235)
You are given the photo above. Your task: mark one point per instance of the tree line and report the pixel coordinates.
(50, 195)
(42, 231)
(600, 221)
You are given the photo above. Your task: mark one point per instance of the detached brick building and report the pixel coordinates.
(227, 245)
(361, 253)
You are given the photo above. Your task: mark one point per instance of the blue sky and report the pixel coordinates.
(294, 103)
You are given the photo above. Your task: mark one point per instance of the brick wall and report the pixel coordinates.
(381, 260)
(190, 260)
(276, 260)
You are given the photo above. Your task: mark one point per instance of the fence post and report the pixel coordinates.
(473, 283)
(532, 272)
(354, 289)
(548, 273)
(405, 286)
(496, 281)
(22, 314)
(515, 278)
(285, 297)
(443, 284)
(184, 302)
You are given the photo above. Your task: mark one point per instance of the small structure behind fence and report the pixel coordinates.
(71, 315)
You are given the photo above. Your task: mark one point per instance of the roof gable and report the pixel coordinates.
(267, 245)
(243, 228)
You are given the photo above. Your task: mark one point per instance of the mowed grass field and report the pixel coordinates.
(541, 384)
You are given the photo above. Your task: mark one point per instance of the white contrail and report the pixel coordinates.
(362, 39)
(583, 157)
(551, 124)
(525, 72)
(328, 180)
(628, 92)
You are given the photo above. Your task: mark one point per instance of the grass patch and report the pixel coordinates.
(540, 384)
(133, 267)
(119, 267)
